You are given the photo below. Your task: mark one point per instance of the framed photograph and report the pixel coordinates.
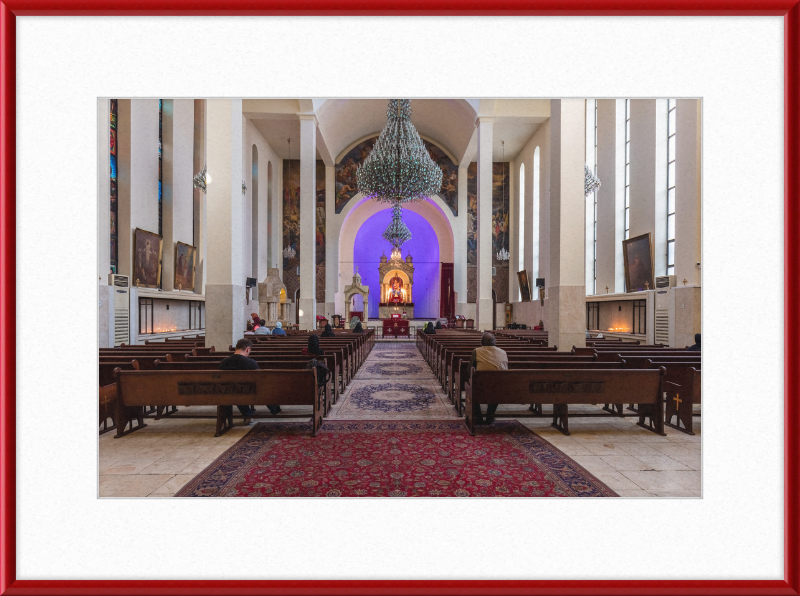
(524, 285)
(184, 266)
(49, 496)
(638, 255)
(146, 259)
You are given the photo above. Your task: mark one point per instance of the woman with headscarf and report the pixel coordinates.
(328, 332)
(438, 325)
(358, 328)
(313, 346)
(429, 330)
(278, 329)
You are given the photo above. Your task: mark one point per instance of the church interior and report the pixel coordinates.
(432, 303)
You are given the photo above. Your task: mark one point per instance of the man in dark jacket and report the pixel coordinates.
(696, 346)
(240, 361)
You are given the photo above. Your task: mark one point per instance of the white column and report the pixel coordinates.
(199, 197)
(484, 234)
(308, 221)
(611, 194)
(687, 192)
(331, 243)
(648, 185)
(460, 240)
(566, 312)
(225, 316)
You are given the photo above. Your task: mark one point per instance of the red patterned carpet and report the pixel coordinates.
(394, 459)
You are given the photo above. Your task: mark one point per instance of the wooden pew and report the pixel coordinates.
(108, 406)
(682, 388)
(262, 365)
(221, 388)
(569, 386)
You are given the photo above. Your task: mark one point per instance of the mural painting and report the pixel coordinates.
(500, 205)
(472, 214)
(347, 186)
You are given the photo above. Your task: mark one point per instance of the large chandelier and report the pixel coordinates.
(397, 233)
(399, 168)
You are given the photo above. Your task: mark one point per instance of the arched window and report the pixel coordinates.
(535, 218)
(627, 169)
(672, 105)
(521, 222)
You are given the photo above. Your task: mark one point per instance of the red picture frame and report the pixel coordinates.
(789, 9)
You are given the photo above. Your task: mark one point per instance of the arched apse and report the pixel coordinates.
(423, 248)
(433, 212)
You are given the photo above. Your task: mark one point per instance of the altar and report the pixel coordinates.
(395, 327)
(404, 309)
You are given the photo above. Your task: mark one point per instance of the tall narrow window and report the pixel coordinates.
(594, 257)
(627, 169)
(535, 217)
(160, 210)
(671, 121)
(113, 167)
(521, 226)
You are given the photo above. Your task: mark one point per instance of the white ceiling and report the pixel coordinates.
(450, 123)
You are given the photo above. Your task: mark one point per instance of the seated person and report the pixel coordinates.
(240, 360)
(358, 328)
(278, 329)
(249, 329)
(313, 346)
(487, 357)
(696, 346)
(328, 332)
(262, 328)
(438, 325)
(429, 329)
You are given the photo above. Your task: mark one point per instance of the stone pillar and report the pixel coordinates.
(648, 185)
(484, 298)
(308, 222)
(566, 307)
(331, 244)
(687, 192)
(176, 174)
(460, 240)
(199, 207)
(225, 316)
(105, 292)
(611, 195)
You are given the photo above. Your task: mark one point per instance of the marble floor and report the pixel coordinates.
(395, 383)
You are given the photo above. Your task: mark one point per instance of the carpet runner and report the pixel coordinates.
(394, 458)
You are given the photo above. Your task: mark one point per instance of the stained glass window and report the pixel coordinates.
(113, 193)
(160, 110)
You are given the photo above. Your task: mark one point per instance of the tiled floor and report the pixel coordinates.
(158, 460)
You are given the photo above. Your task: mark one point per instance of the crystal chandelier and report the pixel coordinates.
(200, 179)
(397, 233)
(289, 253)
(399, 168)
(502, 255)
(590, 182)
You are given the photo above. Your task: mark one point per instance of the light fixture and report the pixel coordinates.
(590, 182)
(289, 253)
(502, 254)
(397, 233)
(399, 168)
(201, 179)
(244, 188)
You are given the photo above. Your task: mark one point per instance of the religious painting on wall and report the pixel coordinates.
(449, 191)
(184, 266)
(320, 239)
(291, 213)
(146, 259)
(638, 263)
(472, 214)
(500, 204)
(346, 185)
(113, 183)
(524, 285)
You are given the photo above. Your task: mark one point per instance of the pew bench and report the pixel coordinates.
(222, 388)
(570, 386)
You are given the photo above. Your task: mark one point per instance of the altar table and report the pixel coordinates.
(395, 327)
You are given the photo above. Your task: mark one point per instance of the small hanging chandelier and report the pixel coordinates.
(200, 179)
(502, 254)
(397, 233)
(399, 168)
(590, 182)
